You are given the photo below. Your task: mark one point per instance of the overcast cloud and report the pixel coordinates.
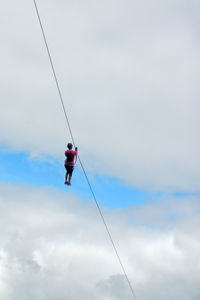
(129, 72)
(54, 246)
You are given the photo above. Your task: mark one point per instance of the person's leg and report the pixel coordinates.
(66, 178)
(67, 173)
(70, 175)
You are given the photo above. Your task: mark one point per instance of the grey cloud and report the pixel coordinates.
(54, 246)
(115, 287)
(129, 75)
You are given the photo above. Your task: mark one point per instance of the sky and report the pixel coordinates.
(129, 75)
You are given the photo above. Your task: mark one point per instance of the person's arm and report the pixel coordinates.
(75, 153)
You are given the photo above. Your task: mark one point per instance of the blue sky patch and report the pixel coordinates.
(111, 192)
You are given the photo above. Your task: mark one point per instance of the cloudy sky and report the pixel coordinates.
(129, 74)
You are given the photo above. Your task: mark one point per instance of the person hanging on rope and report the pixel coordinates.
(69, 162)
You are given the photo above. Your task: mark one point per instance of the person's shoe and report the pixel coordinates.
(69, 183)
(65, 181)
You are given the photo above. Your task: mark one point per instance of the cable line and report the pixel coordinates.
(81, 164)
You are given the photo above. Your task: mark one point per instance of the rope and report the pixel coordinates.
(81, 164)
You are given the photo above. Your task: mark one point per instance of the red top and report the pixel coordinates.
(70, 156)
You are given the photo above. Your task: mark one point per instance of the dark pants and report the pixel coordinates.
(69, 170)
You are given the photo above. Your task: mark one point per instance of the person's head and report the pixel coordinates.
(69, 146)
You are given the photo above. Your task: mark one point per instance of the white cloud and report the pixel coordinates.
(54, 246)
(128, 72)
